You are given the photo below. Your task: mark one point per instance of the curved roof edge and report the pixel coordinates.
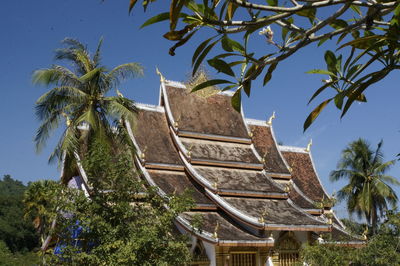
(261, 123)
(303, 150)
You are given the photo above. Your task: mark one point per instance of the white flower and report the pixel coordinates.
(269, 34)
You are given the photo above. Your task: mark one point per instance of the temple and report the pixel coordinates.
(258, 202)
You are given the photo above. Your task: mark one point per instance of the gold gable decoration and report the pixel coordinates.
(200, 77)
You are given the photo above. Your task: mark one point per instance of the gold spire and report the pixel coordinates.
(162, 79)
(263, 215)
(309, 146)
(215, 234)
(215, 184)
(189, 151)
(272, 117)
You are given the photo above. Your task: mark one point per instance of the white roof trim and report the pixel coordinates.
(175, 84)
(316, 174)
(256, 122)
(150, 107)
(292, 149)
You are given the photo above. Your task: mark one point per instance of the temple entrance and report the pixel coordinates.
(288, 249)
(200, 257)
(243, 259)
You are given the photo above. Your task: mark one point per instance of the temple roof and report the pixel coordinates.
(207, 115)
(265, 144)
(238, 176)
(152, 136)
(303, 173)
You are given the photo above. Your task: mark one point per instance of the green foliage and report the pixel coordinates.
(79, 97)
(7, 258)
(368, 29)
(16, 232)
(368, 191)
(124, 222)
(381, 249)
(327, 255)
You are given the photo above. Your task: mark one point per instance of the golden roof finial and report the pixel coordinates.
(263, 215)
(309, 146)
(162, 79)
(272, 117)
(143, 154)
(189, 151)
(215, 184)
(215, 234)
(287, 188)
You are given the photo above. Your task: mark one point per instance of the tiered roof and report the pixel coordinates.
(239, 177)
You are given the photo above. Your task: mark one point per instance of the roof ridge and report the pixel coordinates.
(292, 149)
(150, 107)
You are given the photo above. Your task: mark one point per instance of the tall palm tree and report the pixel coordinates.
(81, 97)
(368, 192)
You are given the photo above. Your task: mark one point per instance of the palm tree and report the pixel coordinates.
(81, 97)
(368, 192)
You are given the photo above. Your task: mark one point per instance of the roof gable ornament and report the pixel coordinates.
(309, 146)
(263, 215)
(216, 228)
(162, 78)
(272, 117)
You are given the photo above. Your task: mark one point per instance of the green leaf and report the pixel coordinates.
(202, 56)
(181, 42)
(200, 48)
(309, 13)
(356, 9)
(322, 41)
(363, 42)
(247, 87)
(221, 66)
(131, 5)
(315, 113)
(231, 10)
(210, 83)
(230, 45)
(175, 10)
(338, 24)
(268, 75)
(321, 89)
(272, 2)
(236, 100)
(321, 71)
(159, 18)
(330, 60)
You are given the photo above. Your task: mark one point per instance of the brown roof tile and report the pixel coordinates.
(220, 151)
(304, 176)
(177, 182)
(278, 211)
(212, 115)
(228, 230)
(266, 146)
(152, 135)
(299, 200)
(234, 179)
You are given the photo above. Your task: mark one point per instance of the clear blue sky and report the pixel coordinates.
(31, 30)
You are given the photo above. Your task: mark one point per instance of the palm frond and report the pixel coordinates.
(120, 107)
(97, 54)
(56, 75)
(123, 72)
(46, 129)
